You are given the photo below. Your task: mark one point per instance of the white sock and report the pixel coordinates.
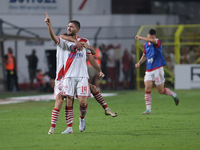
(174, 94)
(149, 107)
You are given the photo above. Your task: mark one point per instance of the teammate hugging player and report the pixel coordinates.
(71, 79)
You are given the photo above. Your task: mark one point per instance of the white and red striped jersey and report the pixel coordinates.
(59, 62)
(74, 61)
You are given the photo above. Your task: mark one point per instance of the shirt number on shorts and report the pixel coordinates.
(84, 88)
(156, 79)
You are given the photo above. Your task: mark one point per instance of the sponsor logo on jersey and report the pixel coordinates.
(150, 60)
(77, 55)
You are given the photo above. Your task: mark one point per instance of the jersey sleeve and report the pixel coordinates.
(158, 43)
(87, 50)
(144, 52)
(62, 44)
(86, 41)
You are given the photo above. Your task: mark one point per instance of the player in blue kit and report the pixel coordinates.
(154, 68)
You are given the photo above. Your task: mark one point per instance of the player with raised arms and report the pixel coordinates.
(154, 68)
(69, 56)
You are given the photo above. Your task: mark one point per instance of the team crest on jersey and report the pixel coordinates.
(73, 48)
(150, 60)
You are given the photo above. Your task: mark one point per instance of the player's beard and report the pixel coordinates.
(73, 33)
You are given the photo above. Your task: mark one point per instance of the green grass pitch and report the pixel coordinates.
(24, 126)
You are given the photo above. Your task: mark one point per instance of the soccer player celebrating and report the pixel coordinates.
(154, 68)
(74, 74)
(58, 80)
(95, 92)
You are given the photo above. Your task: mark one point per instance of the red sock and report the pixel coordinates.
(100, 100)
(69, 115)
(83, 111)
(54, 117)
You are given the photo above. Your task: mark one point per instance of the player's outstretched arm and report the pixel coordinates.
(143, 59)
(93, 51)
(137, 37)
(69, 38)
(50, 29)
(95, 65)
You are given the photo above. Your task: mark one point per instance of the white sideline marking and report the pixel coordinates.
(49, 97)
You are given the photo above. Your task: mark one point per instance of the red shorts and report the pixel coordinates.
(111, 72)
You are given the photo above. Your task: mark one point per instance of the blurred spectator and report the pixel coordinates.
(126, 61)
(52, 83)
(133, 69)
(32, 66)
(93, 74)
(185, 58)
(42, 81)
(169, 64)
(111, 66)
(11, 71)
(192, 54)
(104, 64)
(170, 67)
(172, 56)
(49, 83)
(197, 56)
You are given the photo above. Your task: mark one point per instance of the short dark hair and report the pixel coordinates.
(152, 32)
(77, 23)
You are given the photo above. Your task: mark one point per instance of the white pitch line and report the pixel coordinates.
(49, 97)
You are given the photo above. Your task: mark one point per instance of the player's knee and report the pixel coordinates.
(147, 89)
(161, 91)
(83, 104)
(59, 99)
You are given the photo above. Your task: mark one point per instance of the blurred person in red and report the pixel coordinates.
(126, 61)
(111, 66)
(102, 47)
(41, 83)
(185, 57)
(133, 69)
